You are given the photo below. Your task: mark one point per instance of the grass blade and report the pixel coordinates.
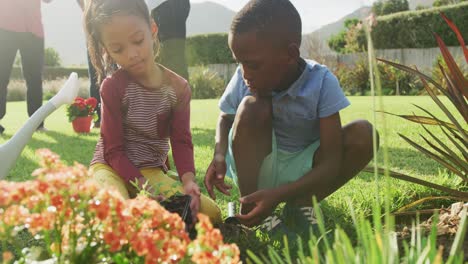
(460, 236)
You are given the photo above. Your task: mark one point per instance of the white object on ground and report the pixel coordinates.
(11, 150)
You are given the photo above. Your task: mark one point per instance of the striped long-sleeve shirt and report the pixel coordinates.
(138, 123)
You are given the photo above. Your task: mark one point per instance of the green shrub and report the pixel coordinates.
(206, 84)
(208, 49)
(52, 58)
(16, 90)
(412, 29)
(355, 80)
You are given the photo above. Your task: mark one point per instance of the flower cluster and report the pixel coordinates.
(78, 222)
(82, 108)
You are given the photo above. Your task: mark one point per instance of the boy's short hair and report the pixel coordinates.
(278, 20)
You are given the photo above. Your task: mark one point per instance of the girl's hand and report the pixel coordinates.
(191, 188)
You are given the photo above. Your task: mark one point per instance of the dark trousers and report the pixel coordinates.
(171, 17)
(94, 87)
(31, 49)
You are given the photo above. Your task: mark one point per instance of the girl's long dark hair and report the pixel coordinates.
(98, 12)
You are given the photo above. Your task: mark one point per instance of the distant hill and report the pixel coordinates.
(64, 32)
(331, 29)
(320, 36)
(209, 17)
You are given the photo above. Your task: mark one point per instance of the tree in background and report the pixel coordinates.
(52, 58)
(447, 2)
(385, 7)
(351, 39)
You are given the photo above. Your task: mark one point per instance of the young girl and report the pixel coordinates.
(144, 106)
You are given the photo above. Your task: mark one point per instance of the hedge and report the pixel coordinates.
(413, 29)
(208, 49)
(52, 73)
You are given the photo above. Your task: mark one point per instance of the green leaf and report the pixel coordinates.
(448, 153)
(432, 156)
(451, 128)
(421, 119)
(407, 178)
(425, 199)
(455, 143)
(444, 109)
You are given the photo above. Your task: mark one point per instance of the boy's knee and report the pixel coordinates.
(254, 111)
(359, 136)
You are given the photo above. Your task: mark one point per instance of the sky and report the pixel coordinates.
(314, 13)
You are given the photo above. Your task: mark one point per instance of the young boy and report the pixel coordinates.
(279, 133)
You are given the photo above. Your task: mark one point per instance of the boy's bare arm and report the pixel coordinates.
(331, 148)
(222, 131)
(217, 168)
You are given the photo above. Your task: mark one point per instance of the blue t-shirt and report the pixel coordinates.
(296, 111)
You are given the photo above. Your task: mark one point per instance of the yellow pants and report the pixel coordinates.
(107, 177)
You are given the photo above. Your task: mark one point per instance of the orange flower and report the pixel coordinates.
(67, 206)
(7, 256)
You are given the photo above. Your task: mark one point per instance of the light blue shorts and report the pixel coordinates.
(279, 167)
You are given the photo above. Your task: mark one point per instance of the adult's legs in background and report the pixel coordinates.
(8, 49)
(32, 59)
(94, 90)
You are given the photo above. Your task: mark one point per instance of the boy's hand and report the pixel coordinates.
(264, 201)
(191, 188)
(215, 176)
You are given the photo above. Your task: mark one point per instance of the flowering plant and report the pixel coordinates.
(81, 108)
(76, 221)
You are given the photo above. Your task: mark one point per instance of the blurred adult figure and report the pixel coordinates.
(21, 30)
(93, 81)
(171, 17)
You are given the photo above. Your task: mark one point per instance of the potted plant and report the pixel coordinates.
(81, 113)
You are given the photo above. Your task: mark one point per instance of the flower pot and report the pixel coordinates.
(82, 124)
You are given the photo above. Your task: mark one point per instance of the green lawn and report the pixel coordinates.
(361, 191)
